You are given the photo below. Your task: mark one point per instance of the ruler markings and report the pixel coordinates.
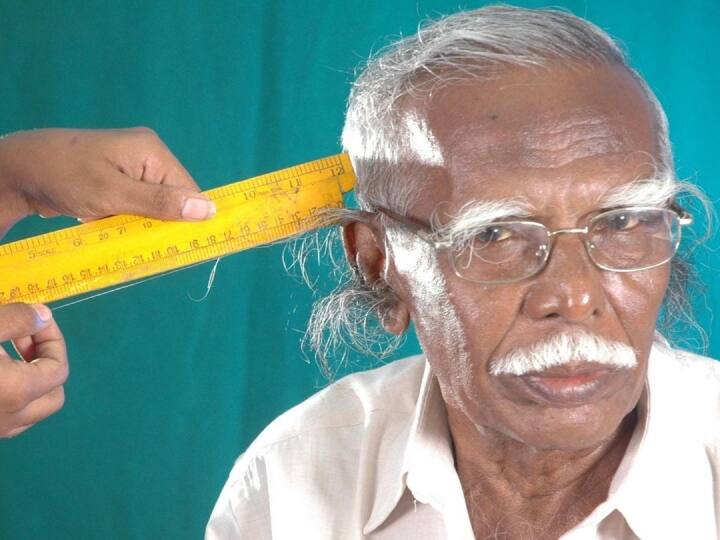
(119, 249)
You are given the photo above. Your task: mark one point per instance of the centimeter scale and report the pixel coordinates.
(120, 249)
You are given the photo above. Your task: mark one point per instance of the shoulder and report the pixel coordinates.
(319, 452)
(686, 368)
(388, 390)
(688, 387)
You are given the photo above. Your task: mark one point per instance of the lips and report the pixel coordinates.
(571, 384)
(571, 370)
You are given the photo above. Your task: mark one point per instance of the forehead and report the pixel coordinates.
(557, 137)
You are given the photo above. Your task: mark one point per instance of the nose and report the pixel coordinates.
(569, 286)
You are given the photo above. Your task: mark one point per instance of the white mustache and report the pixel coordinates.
(565, 348)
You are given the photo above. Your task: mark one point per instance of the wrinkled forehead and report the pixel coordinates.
(545, 135)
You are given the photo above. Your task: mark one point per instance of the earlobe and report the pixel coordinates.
(396, 318)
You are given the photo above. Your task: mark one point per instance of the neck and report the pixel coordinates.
(518, 488)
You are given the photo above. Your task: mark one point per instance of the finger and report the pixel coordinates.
(20, 320)
(157, 200)
(180, 177)
(146, 157)
(17, 431)
(49, 369)
(41, 408)
(50, 352)
(25, 347)
(162, 167)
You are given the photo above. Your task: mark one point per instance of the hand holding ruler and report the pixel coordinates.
(120, 249)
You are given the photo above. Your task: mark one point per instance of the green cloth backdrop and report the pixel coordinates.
(165, 392)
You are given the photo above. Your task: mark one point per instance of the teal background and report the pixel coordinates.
(165, 392)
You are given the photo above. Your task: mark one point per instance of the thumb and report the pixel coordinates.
(20, 320)
(160, 201)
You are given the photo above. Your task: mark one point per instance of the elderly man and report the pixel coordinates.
(519, 207)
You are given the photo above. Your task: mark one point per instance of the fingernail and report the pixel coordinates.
(198, 209)
(43, 312)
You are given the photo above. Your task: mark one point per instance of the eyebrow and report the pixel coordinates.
(479, 213)
(644, 192)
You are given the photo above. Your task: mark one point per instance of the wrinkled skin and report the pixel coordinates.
(561, 138)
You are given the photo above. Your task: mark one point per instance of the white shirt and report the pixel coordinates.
(370, 457)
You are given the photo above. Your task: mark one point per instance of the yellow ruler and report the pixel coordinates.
(120, 249)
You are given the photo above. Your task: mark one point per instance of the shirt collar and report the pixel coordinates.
(664, 484)
(391, 479)
(426, 465)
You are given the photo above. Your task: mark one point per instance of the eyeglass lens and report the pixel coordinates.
(623, 239)
(626, 240)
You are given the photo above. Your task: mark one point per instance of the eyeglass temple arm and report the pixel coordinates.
(686, 218)
(417, 228)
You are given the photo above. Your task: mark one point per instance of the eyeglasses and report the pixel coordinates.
(620, 240)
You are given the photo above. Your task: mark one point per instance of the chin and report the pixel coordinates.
(576, 429)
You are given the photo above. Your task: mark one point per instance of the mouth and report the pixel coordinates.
(571, 385)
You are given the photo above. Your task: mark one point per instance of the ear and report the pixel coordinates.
(365, 251)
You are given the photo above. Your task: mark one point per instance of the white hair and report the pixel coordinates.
(464, 222)
(469, 45)
(385, 148)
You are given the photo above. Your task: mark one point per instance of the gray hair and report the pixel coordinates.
(470, 45)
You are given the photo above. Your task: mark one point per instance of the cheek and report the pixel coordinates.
(636, 298)
(487, 314)
(426, 292)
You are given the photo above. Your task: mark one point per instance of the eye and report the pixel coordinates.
(623, 221)
(493, 234)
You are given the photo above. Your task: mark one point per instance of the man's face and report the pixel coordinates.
(561, 139)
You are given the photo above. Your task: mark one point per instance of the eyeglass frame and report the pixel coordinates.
(425, 233)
